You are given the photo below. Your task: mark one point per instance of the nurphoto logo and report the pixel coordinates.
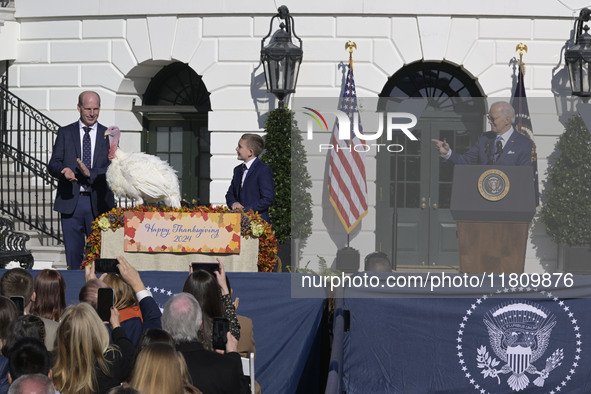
(349, 130)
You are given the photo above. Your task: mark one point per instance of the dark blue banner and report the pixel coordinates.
(518, 341)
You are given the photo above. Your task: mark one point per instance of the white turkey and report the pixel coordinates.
(140, 176)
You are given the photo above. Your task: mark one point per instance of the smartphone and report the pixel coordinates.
(221, 326)
(19, 301)
(209, 267)
(105, 301)
(106, 265)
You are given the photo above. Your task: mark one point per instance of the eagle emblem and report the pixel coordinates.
(519, 334)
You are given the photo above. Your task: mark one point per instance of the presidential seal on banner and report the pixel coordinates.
(535, 343)
(493, 185)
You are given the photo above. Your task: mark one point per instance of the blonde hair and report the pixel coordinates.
(124, 294)
(160, 368)
(82, 341)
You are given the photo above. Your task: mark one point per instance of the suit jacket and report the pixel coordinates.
(66, 150)
(516, 152)
(211, 372)
(135, 327)
(258, 191)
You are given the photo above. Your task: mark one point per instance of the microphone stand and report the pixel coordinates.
(488, 152)
(499, 151)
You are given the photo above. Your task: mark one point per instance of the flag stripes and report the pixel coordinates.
(347, 180)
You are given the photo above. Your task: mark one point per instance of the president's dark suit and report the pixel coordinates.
(516, 152)
(258, 191)
(212, 373)
(66, 150)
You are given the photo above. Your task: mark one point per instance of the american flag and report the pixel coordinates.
(523, 124)
(347, 183)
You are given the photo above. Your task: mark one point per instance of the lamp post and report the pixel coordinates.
(578, 57)
(281, 58)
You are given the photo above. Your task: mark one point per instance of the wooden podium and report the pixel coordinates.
(493, 207)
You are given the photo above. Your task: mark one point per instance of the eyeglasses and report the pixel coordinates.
(491, 118)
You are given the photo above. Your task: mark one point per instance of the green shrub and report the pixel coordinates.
(567, 209)
(283, 142)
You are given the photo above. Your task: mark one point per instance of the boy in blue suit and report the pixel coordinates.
(252, 184)
(82, 190)
(501, 146)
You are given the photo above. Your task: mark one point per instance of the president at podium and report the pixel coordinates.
(500, 146)
(493, 199)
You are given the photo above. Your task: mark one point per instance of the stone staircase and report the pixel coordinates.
(27, 195)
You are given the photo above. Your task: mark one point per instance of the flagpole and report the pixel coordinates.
(349, 46)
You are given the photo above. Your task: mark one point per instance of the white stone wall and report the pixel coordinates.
(115, 48)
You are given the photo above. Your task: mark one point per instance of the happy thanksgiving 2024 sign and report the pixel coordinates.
(182, 232)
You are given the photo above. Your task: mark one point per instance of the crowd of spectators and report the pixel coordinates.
(47, 346)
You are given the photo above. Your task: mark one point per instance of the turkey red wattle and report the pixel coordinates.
(114, 134)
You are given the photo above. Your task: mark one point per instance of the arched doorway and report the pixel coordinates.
(175, 107)
(415, 180)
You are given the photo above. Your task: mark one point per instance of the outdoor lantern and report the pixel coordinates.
(578, 57)
(281, 58)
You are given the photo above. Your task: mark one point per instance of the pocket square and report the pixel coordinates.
(510, 152)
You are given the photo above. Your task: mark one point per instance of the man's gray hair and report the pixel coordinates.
(35, 383)
(181, 317)
(506, 109)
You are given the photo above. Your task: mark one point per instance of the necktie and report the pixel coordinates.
(242, 170)
(86, 154)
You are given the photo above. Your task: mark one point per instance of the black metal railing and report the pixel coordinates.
(26, 188)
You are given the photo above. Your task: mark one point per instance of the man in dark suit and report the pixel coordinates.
(79, 161)
(252, 184)
(502, 145)
(210, 371)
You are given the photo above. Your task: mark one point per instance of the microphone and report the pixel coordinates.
(499, 151)
(499, 148)
(488, 151)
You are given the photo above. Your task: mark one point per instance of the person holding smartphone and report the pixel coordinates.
(137, 308)
(213, 295)
(211, 372)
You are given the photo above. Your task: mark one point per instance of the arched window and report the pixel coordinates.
(175, 107)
